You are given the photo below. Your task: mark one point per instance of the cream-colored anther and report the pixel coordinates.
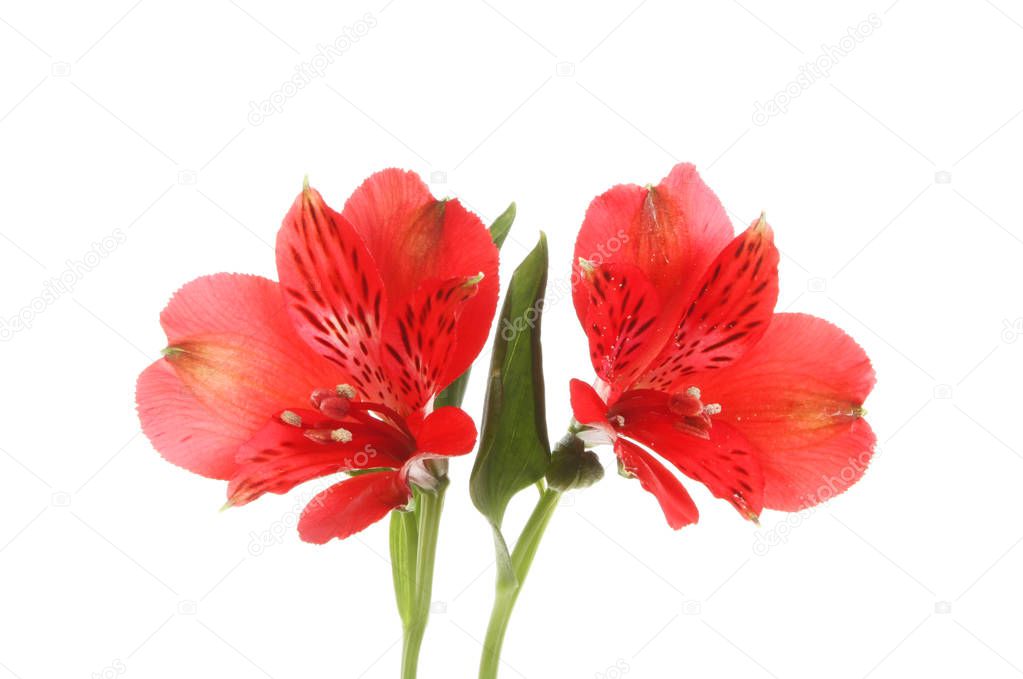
(341, 435)
(288, 417)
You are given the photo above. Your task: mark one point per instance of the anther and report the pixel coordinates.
(289, 417)
(694, 392)
(345, 390)
(712, 408)
(341, 435)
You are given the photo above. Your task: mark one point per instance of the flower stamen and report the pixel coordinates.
(693, 415)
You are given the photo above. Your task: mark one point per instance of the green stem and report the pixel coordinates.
(428, 511)
(508, 591)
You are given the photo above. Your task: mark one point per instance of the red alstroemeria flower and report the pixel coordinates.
(335, 368)
(693, 364)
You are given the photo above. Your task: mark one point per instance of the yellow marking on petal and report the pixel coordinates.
(762, 222)
(171, 351)
(587, 267)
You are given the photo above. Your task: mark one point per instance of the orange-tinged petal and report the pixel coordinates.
(671, 232)
(798, 396)
(234, 358)
(182, 429)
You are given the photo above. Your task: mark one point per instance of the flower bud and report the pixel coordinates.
(572, 466)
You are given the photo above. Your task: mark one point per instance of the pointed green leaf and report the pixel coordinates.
(514, 449)
(502, 226)
(455, 392)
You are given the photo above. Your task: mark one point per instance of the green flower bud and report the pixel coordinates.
(572, 466)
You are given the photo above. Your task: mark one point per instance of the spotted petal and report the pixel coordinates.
(420, 338)
(621, 322)
(728, 313)
(334, 293)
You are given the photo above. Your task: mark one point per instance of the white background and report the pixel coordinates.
(891, 184)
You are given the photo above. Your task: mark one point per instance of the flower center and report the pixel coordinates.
(345, 419)
(692, 415)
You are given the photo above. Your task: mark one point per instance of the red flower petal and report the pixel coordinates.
(446, 431)
(352, 505)
(678, 507)
(236, 353)
(587, 406)
(420, 338)
(797, 396)
(671, 232)
(183, 430)
(334, 292)
(413, 237)
(621, 322)
(726, 462)
(280, 456)
(728, 314)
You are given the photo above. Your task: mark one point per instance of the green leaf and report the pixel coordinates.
(502, 226)
(514, 448)
(455, 392)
